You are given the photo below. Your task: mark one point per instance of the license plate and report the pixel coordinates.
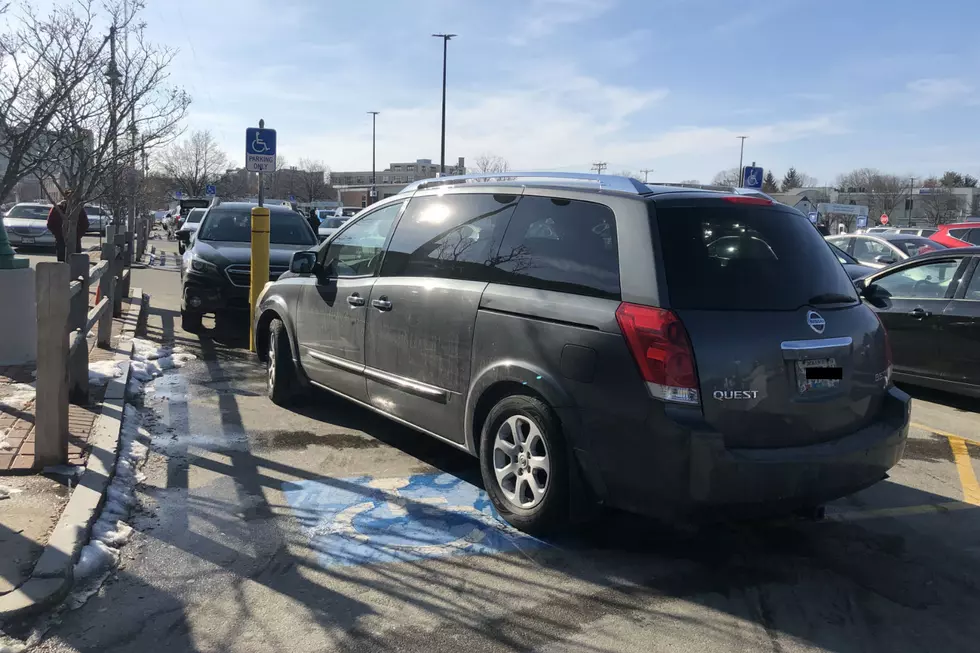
(26, 240)
(818, 374)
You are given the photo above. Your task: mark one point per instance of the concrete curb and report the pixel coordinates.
(52, 577)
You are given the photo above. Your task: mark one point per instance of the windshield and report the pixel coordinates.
(29, 212)
(195, 215)
(746, 258)
(348, 212)
(234, 225)
(915, 245)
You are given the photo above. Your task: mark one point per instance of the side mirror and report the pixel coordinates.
(885, 259)
(184, 237)
(302, 262)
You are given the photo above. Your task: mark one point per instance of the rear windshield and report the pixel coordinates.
(235, 225)
(747, 258)
(915, 245)
(30, 212)
(334, 223)
(349, 212)
(195, 215)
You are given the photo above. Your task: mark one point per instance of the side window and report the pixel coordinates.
(973, 237)
(920, 282)
(356, 251)
(867, 249)
(449, 236)
(959, 233)
(973, 290)
(564, 245)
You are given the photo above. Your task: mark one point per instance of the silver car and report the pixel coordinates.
(882, 249)
(329, 226)
(27, 225)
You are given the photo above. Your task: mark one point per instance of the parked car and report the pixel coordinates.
(190, 226)
(931, 308)
(26, 224)
(914, 231)
(882, 249)
(98, 219)
(963, 234)
(880, 230)
(329, 226)
(665, 350)
(854, 269)
(215, 268)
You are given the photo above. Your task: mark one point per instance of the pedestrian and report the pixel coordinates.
(313, 220)
(56, 225)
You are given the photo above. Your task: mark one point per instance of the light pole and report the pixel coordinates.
(374, 174)
(741, 151)
(445, 47)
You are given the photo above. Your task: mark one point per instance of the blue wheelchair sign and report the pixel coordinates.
(210, 190)
(861, 221)
(752, 177)
(260, 141)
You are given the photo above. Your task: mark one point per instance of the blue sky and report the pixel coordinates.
(826, 86)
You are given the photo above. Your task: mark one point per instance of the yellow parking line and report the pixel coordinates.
(968, 478)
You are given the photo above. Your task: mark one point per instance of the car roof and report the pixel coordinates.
(895, 235)
(275, 208)
(31, 204)
(956, 225)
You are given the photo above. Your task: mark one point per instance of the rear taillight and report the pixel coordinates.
(747, 199)
(662, 350)
(888, 352)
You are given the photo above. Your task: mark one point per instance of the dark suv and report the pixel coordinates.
(215, 267)
(665, 350)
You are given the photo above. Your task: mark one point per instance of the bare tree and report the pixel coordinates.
(728, 177)
(99, 134)
(941, 205)
(194, 163)
(883, 193)
(489, 163)
(236, 183)
(691, 182)
(43, 59)
(314, 180)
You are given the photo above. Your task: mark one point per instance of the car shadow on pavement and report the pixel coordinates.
(957, 402)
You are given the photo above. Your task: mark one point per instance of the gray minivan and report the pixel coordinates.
(670, 351)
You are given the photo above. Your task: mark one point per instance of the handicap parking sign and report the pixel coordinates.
(365, 520)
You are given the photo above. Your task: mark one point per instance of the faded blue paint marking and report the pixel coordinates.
(364, 520)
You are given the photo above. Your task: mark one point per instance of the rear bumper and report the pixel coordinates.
(44, 240)
(690, 472)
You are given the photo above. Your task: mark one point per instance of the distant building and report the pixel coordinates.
(354, 187)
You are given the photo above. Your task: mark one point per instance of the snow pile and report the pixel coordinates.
(16, 396)
(151, 359)
(101, 555)
(101, 372)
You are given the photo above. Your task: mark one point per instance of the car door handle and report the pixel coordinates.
(381, 304)
(355, 300)
(919, 313)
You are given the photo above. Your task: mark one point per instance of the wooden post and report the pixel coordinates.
(107, 286)
(77, 318)
(122, 289)
(51, 407)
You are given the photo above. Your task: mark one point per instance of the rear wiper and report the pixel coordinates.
(831, 298)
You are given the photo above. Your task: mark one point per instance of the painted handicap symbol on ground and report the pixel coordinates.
(365, 520)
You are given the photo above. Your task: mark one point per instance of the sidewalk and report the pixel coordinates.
(32, 502)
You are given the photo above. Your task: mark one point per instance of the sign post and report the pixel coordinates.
(260, 157)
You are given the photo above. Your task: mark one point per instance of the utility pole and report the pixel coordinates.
(646, 174)
(599, 166)
(374, 173)
(908, 204)
(445, 47)
(741, 152)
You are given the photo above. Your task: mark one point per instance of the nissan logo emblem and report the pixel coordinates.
(816, 321)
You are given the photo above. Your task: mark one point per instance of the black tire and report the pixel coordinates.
(190, 321)
(550, 512)
(280, 373)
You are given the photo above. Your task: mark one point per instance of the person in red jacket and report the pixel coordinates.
(56, 225)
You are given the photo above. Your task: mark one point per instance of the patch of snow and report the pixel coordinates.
(101, 555)
(134, 389)
(151, 359)
(16, 396)
(6, 491)
(101, 372)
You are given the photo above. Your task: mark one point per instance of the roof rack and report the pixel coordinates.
(604, 182)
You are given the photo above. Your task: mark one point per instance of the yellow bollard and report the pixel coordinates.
(260, 265)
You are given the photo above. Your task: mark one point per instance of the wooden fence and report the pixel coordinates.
(64, 321)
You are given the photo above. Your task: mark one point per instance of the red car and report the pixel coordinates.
(964, 234)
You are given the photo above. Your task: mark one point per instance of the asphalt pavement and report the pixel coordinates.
(328, 528)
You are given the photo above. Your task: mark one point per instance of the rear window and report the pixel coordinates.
(195, 215)
(746, 258)
(334, 223)
(235, 225)
(30, 212)
(350, 212)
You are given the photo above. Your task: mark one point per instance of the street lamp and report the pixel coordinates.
(741, 151)
(374, 174)
(445, 42)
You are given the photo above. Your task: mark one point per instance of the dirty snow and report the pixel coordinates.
(148, 362)
(101, 372)
(16, 396)
(101, 555)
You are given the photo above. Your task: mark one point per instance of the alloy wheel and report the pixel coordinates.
(520, 462)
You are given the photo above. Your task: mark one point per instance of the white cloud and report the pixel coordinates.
(926, 94)
(543, 17)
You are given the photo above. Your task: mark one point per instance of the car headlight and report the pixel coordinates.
(198, 264)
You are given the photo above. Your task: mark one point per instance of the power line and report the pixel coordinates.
(646, 174)
(599, 166)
